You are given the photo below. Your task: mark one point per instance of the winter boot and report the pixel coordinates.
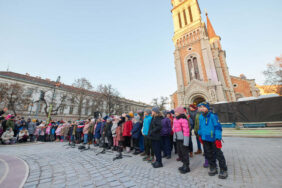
(157, 165)
(206, 164)
(185, 169)
(223, 174)
(180, 168)
(213, 171)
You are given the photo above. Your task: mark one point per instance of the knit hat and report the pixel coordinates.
(180, 110)
(131, 114)
(205, 104)
(156, 109)
(172, 111)
(137, 118)
(148, 111)
(193, 106)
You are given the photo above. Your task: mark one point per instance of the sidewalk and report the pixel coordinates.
(275, 132)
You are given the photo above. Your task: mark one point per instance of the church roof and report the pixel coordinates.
(210, 29)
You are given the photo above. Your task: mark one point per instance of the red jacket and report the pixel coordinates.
(127, 127)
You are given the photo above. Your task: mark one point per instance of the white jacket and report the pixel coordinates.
(7, 135)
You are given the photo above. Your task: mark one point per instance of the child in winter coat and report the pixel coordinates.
(52, 132)
(119, 133)
(147, 142)
(23, 136)
(97, 132)
(42, 131)
(165, 136)
(210, 133)
(136, 133)
(182, 136)
(114, 135)
(8, 136)
(126, 132)
(155, 136)
(85, 132)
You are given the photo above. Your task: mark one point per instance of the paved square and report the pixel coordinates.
(252, 162)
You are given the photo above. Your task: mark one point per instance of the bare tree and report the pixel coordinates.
(160, 102)
(15, 97)
(111, 98)
(81, 90)
(59, 103)
(4, 87)
(273, 76)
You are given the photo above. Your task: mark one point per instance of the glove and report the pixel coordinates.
(218, 144)
(200, 139)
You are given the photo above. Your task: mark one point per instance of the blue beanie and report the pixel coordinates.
(205, 104)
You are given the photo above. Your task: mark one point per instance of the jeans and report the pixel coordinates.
(85, 138)
(156, 144)
(141, 143)
(166, 145)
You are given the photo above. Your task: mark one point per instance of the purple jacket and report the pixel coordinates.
(166, 127)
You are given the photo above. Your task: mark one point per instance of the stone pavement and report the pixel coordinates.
(252, 162)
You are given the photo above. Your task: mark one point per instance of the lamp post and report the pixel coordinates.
(53, 98)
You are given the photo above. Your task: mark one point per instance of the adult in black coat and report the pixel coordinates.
(3, 112)
(155, 135)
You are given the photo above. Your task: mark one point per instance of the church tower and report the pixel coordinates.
(201, 70)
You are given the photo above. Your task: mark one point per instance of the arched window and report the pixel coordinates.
(193, 68)
(190, 67)
(196, 68)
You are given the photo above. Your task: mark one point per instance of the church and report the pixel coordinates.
(200, 61)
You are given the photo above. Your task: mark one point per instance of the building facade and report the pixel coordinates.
(200, 62)
(68, 110)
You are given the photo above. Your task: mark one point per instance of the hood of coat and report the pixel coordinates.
(183, 116)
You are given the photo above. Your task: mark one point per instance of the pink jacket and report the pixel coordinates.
(86, 128)
(181, 125)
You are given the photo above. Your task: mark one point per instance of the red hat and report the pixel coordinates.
(193, 106)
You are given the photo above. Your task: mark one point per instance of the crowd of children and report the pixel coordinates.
(151, 133)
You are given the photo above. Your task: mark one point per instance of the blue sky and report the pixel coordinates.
(129, 43)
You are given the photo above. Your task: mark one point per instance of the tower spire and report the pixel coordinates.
(211, 32)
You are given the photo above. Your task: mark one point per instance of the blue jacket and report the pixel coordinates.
(97, 130)
(146, 124)
(210, 127)
(136, 130)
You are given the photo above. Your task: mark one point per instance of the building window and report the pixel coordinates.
(71, 109)
(193, 67)
(190, 67)
(235, 85)
(190, 14)
(179, 19)
(196, 68)
(185, 18)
